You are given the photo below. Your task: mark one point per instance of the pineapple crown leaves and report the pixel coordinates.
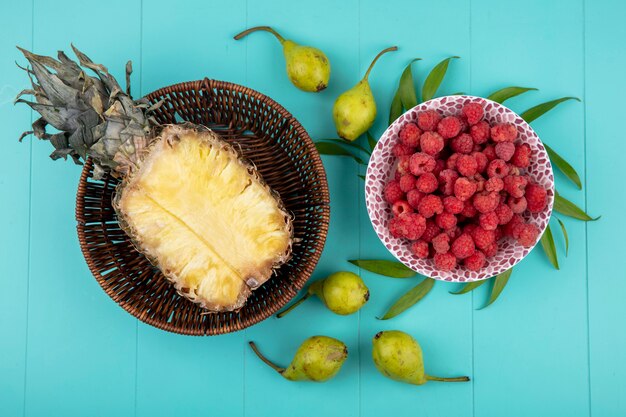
(93, 115)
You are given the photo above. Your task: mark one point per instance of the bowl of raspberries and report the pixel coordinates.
(459, 188)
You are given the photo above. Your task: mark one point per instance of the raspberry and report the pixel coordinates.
(413, 197)
(431, 143)
(537, 197)
(475, 262)
(521, 157)
(444, 261)
(503, 132)
(490, 152)
(441, 243)
(419, 248)
(431, 231)
(407, 182)
(445, 220)
(481, 161)
(410, 135)
(440, 165)
(463, 246)
(505, 150)
(462, 143)
(397, 176)
(510, 227)
(515, 185)
(469, 228)
(464, 124)
(491, 250)
(400, 149)
(498, 234)
(504, 213)
(401, 206)
(408, 225)
(393, 192)
(489, 221)
(527, 235)
(480, 132)
(449, 127)
(464, 189)
(467, 165)
(486, 201)
(421, 163)
(469, 210)
(493, 184)
(447, 178)
(430, 205)
(480, 182)
(428, 120)
(518, 205)
(473, 112)
(513, 170)
(497, 168)
(483, 238)
(427, 183)
(453, 205)
(454, 232)
(452, 160)
(403, 165)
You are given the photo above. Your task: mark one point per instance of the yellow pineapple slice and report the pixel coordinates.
(204, 217)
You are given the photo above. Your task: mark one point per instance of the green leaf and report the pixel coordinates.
(458, 93)
(499, 283)
(506, 93)
(566, 207)
(547, 243)
(540, 109)
(329, 148)
(470, 286)
(371, 141)
(406, 89)
(395, 110)
(564, 230)
(409, 299)
(343, 142)
(361, 176)
(393, 269)
(434, 79)
(563, 166)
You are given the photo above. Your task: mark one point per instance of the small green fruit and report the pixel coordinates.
(342, 292)
(318, 359)
(354, 111)
(308, 68)
(398, 356)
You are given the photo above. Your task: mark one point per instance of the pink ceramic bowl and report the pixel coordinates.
(381, 169)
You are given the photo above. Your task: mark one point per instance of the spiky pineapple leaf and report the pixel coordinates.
(410, 298)
(565, 236)
(563, 166)
(540, 109)
(566, 207)
(499, 282)
(393, 269)
(547, 243)
(434, 78)
(506, 93)
(470, 286)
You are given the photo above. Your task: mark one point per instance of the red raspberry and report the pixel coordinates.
(503, 132)
(427, 183)
(421, 163)
(473, 112)
(453, 205)
(431, 143)
(440, 165)
(393, 192)
(449, 127)
(444, 261)
(486, 201)
(400, 149)
(469, 210)
(509, 228)
(430, 205)
(513, 170)
(527, 234)
(401, 206)
(464, 124)
(469, 228)
(441, 243)
(504, 213)
(515, 185)
(408, 225)
(505, 150)
(410, 135)
(413, 197)
(480, 132)
(475, 262)
(497, 168)
(431, 231)
(490, 152)
(491, 250)
(407, 182)
(537, 197)
(446, 220)
(464, 189)
(454, 232)
(499, 234)
(404, 165)
(467, 165)
(428, 120)
(463, 246)
(521, 157)
(494, 184)
(462, 143)
(518, 205)
(481, 161)
(419, 248)
(483, 238)
(452, 159)
(489, 221)
(447, 178)
(480, 182)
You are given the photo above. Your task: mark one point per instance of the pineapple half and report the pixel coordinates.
(187, 199)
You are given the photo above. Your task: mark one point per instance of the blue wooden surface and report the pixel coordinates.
(553, 345)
